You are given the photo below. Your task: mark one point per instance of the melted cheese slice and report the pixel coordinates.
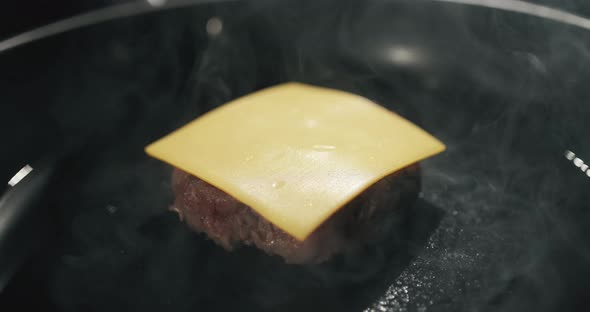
(296, 153)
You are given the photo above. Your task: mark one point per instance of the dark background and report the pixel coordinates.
(18, 16)
(523, 255)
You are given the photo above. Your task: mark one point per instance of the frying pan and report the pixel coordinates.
(501, 223)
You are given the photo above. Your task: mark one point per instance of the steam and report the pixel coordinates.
(531, 9)
(142, 7)
(489, 218)
(98, 16)
(507, 204)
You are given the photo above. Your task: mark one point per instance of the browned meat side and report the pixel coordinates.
(230, 223)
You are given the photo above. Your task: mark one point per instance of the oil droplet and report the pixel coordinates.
(324, 148)
(214, 26)
(248, 158)
(278, 184)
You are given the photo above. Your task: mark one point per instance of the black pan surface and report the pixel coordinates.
(501, 224)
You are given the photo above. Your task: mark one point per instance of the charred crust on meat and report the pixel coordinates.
(230, 223)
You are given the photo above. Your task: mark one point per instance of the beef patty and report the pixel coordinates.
(230, 223)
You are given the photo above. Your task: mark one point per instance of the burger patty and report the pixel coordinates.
(230, 223)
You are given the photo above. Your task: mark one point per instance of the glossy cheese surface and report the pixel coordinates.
(296, 153)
